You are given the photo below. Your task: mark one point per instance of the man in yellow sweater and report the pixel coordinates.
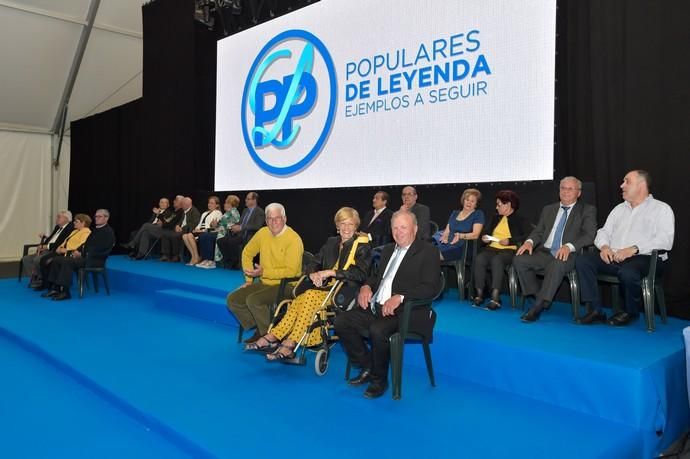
(280, 251)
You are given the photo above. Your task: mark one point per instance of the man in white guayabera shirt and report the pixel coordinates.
(632, 230)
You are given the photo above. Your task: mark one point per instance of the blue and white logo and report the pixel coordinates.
(289, 102)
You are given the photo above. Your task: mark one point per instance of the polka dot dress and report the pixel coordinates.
(299, 317)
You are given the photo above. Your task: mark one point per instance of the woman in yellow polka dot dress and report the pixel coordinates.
(342, 258)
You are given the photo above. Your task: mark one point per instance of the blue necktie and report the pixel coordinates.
(558, 235)
(246, 217)
(389, 271)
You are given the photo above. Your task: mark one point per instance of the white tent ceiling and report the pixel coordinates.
(38, 43)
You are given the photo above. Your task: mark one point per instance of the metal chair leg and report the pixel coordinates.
(81, 276)
(574, 295)
(661, 299)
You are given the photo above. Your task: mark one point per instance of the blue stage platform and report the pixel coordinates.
(154, 371)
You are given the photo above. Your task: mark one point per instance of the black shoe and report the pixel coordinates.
(62, 296)
(252, 339)
(478, 300)
(50, 294)
(140, 257)
(376, 389)
(493, 304)
(38, 286)
(621, 319)
(592, 317)
(533, 314)
(363, 378)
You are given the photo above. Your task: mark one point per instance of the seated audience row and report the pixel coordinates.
(210, 237)
(82, 247)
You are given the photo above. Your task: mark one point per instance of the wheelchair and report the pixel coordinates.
(323, 321)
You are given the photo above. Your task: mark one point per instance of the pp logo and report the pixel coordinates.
(289, 102)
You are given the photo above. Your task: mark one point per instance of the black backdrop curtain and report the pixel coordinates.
(622, 73)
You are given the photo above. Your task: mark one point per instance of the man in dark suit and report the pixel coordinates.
(95, 250)
(422, 212)
(189, 217)
(152, 227)
(409, 269)
(62, 229)
(251, 220)
(377, 222)
(563, 229)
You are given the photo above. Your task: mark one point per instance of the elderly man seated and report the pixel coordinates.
(409, 269)
(49, 242)
(280, 249)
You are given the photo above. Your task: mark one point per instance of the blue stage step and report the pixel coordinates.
(199, 305)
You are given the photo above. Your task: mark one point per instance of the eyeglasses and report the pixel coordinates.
(99, 216)
(274, 219)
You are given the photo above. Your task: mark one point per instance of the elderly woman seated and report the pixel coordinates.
(464, 224)
(504, 234)
(218, 230)
(208, 220)
(342, 258)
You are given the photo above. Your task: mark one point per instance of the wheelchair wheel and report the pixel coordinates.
(321, 362)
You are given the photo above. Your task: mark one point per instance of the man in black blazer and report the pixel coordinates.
(171, 239)
(409, 269)
(62, 229)
(563, 229)
(252, 219)
(377, 222)
(422, 212)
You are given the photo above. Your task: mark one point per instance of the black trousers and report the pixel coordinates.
(630, 273)
(62, 269)
(171, 242)
(497, 260)
(352, 327)
(229, 246)
(45, 262)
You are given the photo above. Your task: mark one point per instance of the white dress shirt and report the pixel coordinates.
(649, 226)
(56, 235)
(549, 240)
(384, 291)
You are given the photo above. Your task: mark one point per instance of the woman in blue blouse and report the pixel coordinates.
(464, 224)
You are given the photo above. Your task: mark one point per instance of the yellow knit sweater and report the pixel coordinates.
(280, 256)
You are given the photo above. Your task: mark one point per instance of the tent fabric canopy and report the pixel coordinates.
(38, 43)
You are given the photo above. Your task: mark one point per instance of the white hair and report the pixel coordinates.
(275, 206)
(574, 179)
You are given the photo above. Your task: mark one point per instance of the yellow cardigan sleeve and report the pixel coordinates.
(77, 239)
